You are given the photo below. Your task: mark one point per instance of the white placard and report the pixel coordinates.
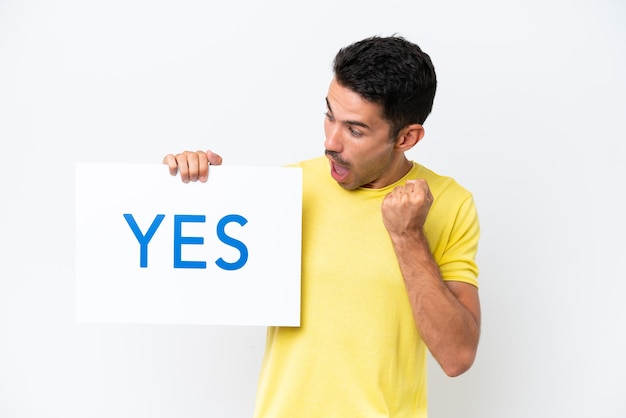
(151, 249)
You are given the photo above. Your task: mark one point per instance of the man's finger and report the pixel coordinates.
(171, 163)
(213, 158)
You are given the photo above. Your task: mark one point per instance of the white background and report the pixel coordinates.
(529, 116)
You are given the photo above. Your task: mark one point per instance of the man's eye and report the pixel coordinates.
(329, 116)
(354, 132)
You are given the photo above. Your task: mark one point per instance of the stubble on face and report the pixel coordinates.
(358, 146)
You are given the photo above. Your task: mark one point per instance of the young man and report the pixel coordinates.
(388, 266)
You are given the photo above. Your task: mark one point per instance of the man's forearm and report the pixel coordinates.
(446, 315)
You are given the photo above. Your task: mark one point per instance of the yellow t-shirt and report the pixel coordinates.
(357, 352)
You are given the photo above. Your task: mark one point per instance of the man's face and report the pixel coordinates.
(357, 141)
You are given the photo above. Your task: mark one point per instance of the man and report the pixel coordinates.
(388, 266)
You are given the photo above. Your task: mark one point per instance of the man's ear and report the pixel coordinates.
(409, 136)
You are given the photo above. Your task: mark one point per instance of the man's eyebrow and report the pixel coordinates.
(348, 122)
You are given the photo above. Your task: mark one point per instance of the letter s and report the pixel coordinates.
(243, 250)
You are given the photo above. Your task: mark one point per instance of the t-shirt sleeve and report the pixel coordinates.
(458, 262)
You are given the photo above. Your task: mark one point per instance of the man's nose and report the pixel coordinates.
(332, 142)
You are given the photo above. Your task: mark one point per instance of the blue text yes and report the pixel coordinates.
(180, 240)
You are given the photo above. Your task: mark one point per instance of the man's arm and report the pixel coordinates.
(192, 165)
(447, 314)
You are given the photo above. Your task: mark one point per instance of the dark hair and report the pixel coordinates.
(392, 72)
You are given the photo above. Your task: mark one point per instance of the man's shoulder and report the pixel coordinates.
(440, 184)
(309, 163)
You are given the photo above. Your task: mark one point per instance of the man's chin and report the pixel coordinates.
(348, 186)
